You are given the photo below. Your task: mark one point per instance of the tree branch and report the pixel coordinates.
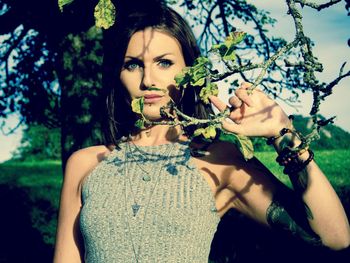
(223, 16)
(317, 6)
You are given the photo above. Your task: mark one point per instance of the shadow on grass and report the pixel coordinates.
(19, 242)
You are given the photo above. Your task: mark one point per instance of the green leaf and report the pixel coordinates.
(183, 78)
(244, 144)
(199, 75)
(62, 3)
(201, 61)
(154, 88)
(137, 105)
(195, 75)
(198, 132)
(211, 89)
(237, 37)
(104, 14)
(208, 132)
(140, 123)
(227, 48)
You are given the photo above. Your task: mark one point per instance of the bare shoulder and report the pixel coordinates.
(222, 153)
(83, 161)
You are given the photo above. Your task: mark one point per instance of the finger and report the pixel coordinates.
(242, 94)
(238, 114)
(235, 102)
(245, 85)
(230, 126)
(219, 104)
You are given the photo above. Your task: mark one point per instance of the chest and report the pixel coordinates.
(174, 196)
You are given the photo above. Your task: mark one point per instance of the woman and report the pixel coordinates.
(148, 199)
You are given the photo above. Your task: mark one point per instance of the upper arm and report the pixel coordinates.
(254, 188)
(69, 246)
(269, 201)
(246, 186)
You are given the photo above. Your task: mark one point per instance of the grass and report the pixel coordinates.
(40, 182)
(334, 163)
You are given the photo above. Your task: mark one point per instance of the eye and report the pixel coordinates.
(165, 63)
(132, 65)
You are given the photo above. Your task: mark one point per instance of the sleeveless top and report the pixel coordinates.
(147, 204)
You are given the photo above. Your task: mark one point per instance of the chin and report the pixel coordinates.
(152, 112)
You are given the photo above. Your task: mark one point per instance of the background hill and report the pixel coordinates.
(331, 136)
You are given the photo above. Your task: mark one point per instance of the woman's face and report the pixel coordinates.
(152, 59)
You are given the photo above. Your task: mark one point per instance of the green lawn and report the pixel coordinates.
(34, 187)
(334, 163)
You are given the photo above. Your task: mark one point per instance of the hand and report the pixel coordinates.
(253, 115)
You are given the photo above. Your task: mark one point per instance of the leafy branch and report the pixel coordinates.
(203, 75)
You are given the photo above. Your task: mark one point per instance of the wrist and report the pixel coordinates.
(290, 140)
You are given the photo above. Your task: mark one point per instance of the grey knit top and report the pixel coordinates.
(147, 204)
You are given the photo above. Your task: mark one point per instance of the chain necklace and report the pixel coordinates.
(146, 176)
(136, 206)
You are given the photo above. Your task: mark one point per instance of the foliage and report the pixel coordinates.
(331, 136)
(62, 3)
(104, 14)
(244, 144)
(33, 94)
(80, 78)
(39, 143)
(226, 49)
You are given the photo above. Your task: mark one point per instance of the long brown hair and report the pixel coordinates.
(120, 118)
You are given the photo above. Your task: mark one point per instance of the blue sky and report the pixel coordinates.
(330, 31)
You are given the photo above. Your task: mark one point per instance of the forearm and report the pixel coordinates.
(325, 213)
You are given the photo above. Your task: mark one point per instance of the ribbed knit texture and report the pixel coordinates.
(177, 218)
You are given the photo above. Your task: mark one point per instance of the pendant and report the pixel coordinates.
(146, 178)
(135, 208)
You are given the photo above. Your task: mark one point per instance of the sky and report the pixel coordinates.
(329, 29)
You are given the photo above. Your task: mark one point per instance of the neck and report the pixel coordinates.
(158, 134)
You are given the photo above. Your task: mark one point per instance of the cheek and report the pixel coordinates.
(130, 83)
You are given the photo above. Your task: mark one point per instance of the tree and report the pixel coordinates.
(39, 143)
(47, 58)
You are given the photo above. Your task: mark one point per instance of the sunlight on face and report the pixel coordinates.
(152, 59)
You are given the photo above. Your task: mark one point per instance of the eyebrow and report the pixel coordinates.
(155, 59)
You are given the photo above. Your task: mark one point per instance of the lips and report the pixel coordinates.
(152, 98)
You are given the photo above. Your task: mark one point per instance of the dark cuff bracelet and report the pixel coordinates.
(295, 167)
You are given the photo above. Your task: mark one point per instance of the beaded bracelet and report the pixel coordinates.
(297, 168)
(287, 156)
(282, 132)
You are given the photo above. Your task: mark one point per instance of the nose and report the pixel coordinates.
(147, 78)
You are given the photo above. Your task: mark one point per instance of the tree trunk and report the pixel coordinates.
(79, 71)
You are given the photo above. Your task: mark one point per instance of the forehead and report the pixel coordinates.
(152, 41)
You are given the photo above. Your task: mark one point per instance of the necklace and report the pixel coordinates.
(136, 206)
(144, 158)
(146, 177)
